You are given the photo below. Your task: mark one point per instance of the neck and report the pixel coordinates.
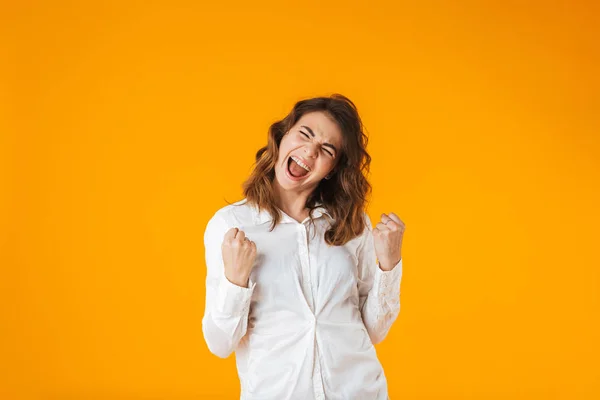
(293, 203)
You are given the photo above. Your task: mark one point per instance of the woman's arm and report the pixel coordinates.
(227, 305)
(379, 291)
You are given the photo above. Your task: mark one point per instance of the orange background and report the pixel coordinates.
(125, 125)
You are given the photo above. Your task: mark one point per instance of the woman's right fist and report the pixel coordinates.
(239, 253)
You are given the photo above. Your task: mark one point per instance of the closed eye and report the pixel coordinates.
(326, 151)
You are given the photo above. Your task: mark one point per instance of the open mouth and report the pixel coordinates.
(295, 170)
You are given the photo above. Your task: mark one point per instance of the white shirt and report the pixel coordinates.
(305, 326)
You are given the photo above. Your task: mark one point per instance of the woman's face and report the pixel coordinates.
(308, 151)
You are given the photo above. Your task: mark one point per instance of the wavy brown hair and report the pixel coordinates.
(345, 194)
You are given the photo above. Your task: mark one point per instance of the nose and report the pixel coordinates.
(311, 150)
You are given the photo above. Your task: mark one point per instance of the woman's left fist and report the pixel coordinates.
(387, 238)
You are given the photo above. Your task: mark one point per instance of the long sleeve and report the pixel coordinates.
(227, 305)
(379, 291)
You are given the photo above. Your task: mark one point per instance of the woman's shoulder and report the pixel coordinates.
(237, 213)
(368, 224)
(367, 230)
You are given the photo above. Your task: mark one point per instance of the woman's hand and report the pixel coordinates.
(239, 253)
(387, 238)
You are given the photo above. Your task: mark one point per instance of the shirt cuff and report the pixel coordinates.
(388, 282)
(233, 299)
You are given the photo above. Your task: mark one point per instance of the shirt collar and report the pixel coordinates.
(264, 216)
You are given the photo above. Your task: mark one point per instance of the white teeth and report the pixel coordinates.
(300, 163)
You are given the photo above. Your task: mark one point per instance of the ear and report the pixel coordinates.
(331, 173)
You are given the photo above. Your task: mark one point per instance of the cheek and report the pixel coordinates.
(286, 146)
(284, 149)
(325, 166)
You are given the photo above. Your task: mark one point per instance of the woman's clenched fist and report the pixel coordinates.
(387, 238)
(239, 253)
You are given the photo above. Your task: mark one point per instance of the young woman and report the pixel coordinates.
(299, 284)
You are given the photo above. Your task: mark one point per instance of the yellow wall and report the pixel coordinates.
(124, 126)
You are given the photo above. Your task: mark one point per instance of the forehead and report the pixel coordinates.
(322, 125)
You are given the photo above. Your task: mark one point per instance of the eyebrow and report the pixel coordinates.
(313, 135)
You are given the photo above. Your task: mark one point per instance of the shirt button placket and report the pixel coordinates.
(303, 249)
(317, 378)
